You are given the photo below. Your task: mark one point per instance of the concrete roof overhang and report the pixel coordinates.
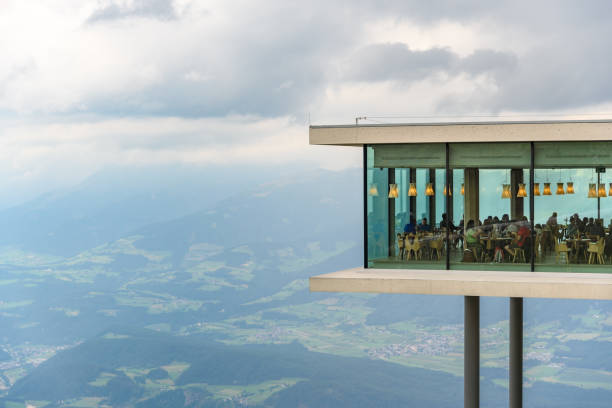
(462, 132)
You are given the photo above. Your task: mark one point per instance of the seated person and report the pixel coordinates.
(582, 227)
(572, 229)
(597, 231)
(411, 227)
(513, 227)
(519, 241)
(424, 226)
(446, 223)
(589, 226)
(472, 238)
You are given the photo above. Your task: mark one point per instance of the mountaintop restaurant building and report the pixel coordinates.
(508, 209)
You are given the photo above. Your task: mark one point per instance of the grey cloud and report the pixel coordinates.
(156, 9)
(384, 62)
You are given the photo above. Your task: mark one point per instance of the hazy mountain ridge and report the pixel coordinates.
(236, 272)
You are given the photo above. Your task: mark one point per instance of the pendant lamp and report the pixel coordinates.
(506, 191)
(462, 188)
(448, 191)
(536, 189)
(560, 190)
(546, 189)
(393, 191)
(429, 190)
(610, 190)
(373, 190)
(521, 191)
(601, 192)
(570, 187)
(412, 191)
(592, 191)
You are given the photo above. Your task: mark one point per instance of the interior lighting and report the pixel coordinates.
(560, 190)
(506, 191)
(393, 191)
(412, 191)
(373, 190)
(570, 187)
(592, 191)
(601, 192)
(448, 191)
(521, 191)
(546, 189)
(536, 189)
(429, 190)
(462, 189)
(610, 190)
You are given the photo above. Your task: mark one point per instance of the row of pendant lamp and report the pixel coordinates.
(594, 191)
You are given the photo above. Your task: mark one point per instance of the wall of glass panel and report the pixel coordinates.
(405, 202)
(572, 234)
(485, 206)
(496, 231)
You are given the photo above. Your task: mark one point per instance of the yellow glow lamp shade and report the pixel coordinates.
(373, 190)
(570, 187)
(546, 189)
(506, 191)
(560, 190)
(448, 191)
(393, 191)
(592, 191)
(610, 190)
(521, 191)
(412, 192)
(462, 189)
(601, 192)
(536, 189)
(429, 191)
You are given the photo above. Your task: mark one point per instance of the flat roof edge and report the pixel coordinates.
(555, 285)
(468, 123)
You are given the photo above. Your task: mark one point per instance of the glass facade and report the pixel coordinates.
(480, 217)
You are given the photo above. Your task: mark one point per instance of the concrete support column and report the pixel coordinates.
(516, 203)
(432, 199)
(471, 197)
(516, 353)
(471, 362)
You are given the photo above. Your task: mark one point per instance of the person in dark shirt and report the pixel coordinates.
(424, 226)
(446, 223)
(589, 227)
(410, 228)
(597, 230)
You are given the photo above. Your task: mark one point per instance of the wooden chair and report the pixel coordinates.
(536, 248)
(561, 249)
(519, 255)
(437, 247)
(412, 247)
(400, 246)
(596, 251)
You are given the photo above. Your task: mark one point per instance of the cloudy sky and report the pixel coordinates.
(89, 83)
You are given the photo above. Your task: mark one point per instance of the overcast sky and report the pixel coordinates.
(90, 83)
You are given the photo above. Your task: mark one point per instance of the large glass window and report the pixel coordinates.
(570, 212)
(495, 232)
(485, 206)
(406, 224)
